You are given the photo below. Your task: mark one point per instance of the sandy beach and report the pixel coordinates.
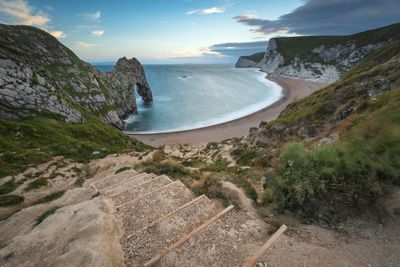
(293, 89)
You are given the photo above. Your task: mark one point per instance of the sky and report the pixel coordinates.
(191, 31)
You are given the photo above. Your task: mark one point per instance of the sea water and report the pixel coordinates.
(194, 96)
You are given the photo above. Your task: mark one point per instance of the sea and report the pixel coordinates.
(189, 96)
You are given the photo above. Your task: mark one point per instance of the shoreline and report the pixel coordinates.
(292, 89)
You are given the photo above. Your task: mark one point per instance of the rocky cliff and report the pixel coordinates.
(39, 75)
(323, 58)
(252, 61)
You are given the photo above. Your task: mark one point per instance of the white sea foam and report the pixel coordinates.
(274, 95)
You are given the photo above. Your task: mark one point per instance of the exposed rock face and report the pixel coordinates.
(333, 61)
(246, 63)
(40, 75)
(321, 58)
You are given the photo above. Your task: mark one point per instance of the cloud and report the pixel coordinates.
(95, 16)
(84, 45)
(207, 11)
(98, 33)
(58, 34)
(239, 49)
(20, 12)
(328, 17)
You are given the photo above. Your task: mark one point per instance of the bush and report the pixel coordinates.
(50, 197)
(9, 186)
(40, 182)
(122, 169)
(35, 140)
(44, 215)
(244, 156)
(169, 168)
(10, 200)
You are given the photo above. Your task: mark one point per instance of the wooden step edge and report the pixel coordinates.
(106, 190)
(153, 192)
(186, 237)
(167, 215)
(261, 251)
(152, 176)
(113, 175)
(94, 188)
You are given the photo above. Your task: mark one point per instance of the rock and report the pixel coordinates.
(246, 63)
(39, 74)
(324, 63)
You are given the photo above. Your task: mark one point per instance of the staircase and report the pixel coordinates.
(166, 225)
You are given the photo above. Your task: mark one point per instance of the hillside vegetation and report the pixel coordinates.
(257, 57)
(339, 148)
(290, 47)
(35, 140)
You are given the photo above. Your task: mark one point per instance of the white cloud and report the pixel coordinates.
(20, 12)
(95, 16)
(207, 11)
(84, 45)
(58, 34)
(98, 33)
(213, 10)
(197, 53)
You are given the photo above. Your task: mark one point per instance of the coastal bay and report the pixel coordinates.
(292, 90)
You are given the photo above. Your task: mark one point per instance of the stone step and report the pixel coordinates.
(139, 190)
(144, 244)
(115, 179)
(229, 241)
(141, 212)
(122, 186)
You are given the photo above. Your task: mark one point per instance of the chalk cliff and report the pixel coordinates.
(322, 58)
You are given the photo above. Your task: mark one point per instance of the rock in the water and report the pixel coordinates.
(39, 75)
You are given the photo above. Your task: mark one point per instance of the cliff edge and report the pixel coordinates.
(39, 75)
(322, 58)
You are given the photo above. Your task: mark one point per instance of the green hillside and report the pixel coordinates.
(257, 57)
(290, 47)
(327, 180)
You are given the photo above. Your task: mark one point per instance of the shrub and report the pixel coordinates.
(9, 186)
(50, 197)
(158, 156)
(10, 200)
(40, 182)
(244, 156)
(122, 169)
(44, 215)
(219, 165)
(169, 168)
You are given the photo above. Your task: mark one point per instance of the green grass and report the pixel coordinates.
(122, 169)
(219, 165)
(10, 200)
(9, 186)
(36, 140)
(244, 156)
(85, 173)
(44, 215)
(255, 57)
(36, 184)
(169, 168)
(50, 197)
(290, 47)
(329, 181)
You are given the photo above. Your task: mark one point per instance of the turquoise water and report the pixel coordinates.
(194, 96)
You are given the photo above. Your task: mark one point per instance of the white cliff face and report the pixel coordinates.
(246, 63)
(334, 61)
(272, 59)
